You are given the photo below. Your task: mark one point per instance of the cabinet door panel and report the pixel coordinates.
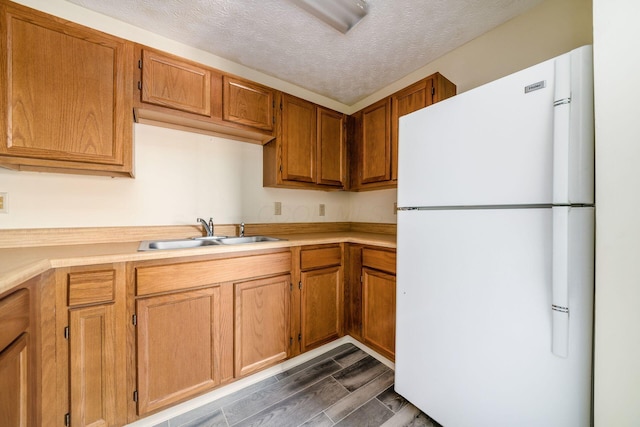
(322, 306)
(68, 92)
(331, 148)
(262, 323)
(175, 84)
(299, 140)
(379, 316)
(178, 346)
(14, 403)
(92, 366)
(376, 144)
(247, 103)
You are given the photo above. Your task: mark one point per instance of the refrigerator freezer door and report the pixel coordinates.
(494, 145)
(474, 317)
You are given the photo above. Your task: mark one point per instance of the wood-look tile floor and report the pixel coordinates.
(343, 387)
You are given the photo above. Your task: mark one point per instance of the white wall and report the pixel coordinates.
(617, 332)
(180, 176)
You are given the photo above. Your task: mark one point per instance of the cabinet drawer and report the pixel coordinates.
(320, 257)
(91, 287)
(173, 277)
(379, 260)
(14, 316)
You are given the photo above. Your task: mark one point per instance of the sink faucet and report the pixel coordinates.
(242, 229)
(207, 227)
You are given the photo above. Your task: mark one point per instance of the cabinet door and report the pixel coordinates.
(261, 323)
(331, 145)
(247, 103)
(92, 366)
(298, 140)
(14, 385)
(67, 93)
(375, 146)
(379, 311)
(178, 345)
(176, 84)
(404, 102)
(321, 306)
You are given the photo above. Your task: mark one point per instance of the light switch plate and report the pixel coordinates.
(321, 210)
(278, 208)
(4, 202)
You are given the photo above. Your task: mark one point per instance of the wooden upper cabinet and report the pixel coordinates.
(413, 98)
(375, 160)
(66, 91)
(298, 139)
(331, 146)
(310, 147)
(174, 83)
(248, 103)
(176, 93)
(375, 133)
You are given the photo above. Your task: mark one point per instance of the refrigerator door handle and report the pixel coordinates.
(560, 282)
(561, 131)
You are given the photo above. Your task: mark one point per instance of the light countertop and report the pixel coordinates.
(18, 265)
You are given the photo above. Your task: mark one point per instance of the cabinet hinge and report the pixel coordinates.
(139, 85)
(67, 419)
(134, 320)
(291, 287)
(361, 279)
(299, 337)
(300, 285)
(280, 168)
(135, 395)
(290, 341)
(66, 332)
(140, 63)
(433, 91)
(280, 105)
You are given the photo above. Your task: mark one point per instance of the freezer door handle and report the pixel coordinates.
(560, 282)
(561, 131)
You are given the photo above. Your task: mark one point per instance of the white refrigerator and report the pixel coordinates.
(495, 274)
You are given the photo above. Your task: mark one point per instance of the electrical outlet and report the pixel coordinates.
(278, 208)
(395, 208)
(4, 202)
(321, 210)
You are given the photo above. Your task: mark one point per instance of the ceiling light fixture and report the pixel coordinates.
(340, 14)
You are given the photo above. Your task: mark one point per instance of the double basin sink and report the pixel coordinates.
(198, 242)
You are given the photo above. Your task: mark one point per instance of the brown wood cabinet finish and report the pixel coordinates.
(93, 366)
(178, 351)
(262, 318)
(310, 147)
(374, 136)
(379, 311)
(14, 383)
(174, 83)
(67, 96)
(321, 289)
(248, 103)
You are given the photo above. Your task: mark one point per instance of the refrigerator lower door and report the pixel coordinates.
(474, 317)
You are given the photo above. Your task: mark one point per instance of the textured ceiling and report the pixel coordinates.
(278, 38)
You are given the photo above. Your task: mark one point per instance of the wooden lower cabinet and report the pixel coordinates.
(321, 295)
(261, 323)
(92, 366)
(91, 345)
(14, 383)
(379, 311)
(178, 352)
(370, 297)
(321, 306)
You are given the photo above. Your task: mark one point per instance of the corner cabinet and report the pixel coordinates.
(374, 136)
(66, 91)
(370, 298)
(309, 151)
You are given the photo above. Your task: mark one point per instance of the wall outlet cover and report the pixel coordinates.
(4, 202)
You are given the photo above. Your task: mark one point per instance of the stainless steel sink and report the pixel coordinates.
(247, 239)
(159, 245)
